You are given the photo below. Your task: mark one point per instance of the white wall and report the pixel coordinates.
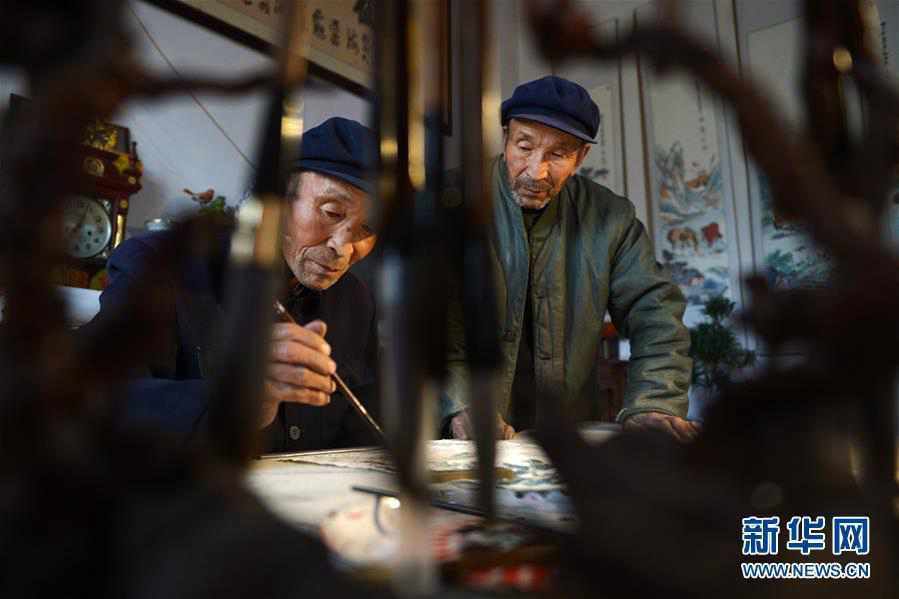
(197, 142)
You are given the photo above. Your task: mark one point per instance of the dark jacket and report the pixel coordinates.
(168, 392)
(597, 257)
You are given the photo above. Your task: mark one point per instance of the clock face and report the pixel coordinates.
(88, 228)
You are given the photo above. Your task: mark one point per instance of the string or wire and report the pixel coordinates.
(190, 93)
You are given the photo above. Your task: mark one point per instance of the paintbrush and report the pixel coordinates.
(351, 397)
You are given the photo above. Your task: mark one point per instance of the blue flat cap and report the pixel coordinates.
(341, 148)
(556, 102)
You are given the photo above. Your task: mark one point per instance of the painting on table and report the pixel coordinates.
(528, 489)
(524, 465)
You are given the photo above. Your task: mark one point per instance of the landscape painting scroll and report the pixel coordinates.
(784, 251)
(691, 196)
(604, 164)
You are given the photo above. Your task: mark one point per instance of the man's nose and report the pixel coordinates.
(537, 167)
(342, 241)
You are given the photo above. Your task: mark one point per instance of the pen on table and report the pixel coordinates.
(351, 397)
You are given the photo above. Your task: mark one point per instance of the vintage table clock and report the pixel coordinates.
(95, 217)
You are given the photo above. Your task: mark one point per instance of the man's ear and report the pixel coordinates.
(582, 153)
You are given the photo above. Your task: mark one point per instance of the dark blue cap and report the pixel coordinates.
(556, 102)
(341, 148)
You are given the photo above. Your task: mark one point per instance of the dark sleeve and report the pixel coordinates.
(648, 308)
(153, 397)
(354, 431)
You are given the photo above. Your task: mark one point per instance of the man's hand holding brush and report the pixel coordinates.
(300, 368)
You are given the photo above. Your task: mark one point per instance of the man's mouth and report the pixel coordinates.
(533, 191)
(326, 269)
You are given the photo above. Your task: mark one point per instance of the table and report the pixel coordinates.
(305, 493)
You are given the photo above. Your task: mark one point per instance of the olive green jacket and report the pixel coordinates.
(596, 257)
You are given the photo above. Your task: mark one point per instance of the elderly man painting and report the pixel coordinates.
(566, 250)
(325, 233)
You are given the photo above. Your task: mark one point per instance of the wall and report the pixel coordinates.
(197, 142)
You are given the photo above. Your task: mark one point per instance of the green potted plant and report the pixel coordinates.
(714, 347)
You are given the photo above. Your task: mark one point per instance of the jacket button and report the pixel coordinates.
(509, 336)
(294, 432)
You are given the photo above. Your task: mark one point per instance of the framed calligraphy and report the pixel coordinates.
(339, 35)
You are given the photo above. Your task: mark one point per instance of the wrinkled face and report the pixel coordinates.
(326, 230)
(539, 159)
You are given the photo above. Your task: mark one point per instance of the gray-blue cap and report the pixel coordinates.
(341, 148)
(556, 102)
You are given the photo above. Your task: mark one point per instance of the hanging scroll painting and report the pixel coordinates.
(784, 250)
(601, 164)
(691, 199)
(691, 225)
(604, 162)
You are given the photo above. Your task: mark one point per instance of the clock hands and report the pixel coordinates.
(83, 217)
(71, 228)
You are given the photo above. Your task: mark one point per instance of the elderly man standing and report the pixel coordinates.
(565, 251)
(326, 232)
